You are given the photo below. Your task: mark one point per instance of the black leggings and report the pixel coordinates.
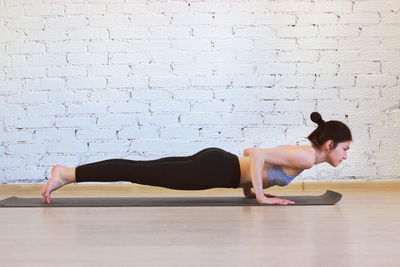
(209, 168)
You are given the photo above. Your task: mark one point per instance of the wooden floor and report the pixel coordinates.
(363, 229)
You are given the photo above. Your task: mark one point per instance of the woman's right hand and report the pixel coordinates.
(274, 201)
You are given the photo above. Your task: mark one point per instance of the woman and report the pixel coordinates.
(213, 167)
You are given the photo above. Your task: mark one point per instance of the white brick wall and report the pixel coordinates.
(82, 81)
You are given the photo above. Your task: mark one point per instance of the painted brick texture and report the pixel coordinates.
(87, 80)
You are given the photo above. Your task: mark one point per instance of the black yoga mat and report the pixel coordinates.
(328, 198)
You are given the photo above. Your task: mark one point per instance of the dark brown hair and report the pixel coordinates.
(328, 130)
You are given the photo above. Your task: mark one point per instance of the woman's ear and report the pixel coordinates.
(329, 145)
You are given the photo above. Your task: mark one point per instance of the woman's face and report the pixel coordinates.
(338, 154)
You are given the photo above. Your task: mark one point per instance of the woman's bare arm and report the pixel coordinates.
(291, 156)
(256, 166)
(247, 192)
(297, 157)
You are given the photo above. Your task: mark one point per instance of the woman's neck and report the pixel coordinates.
(320, 156)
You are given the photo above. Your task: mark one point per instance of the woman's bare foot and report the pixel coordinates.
(55, 182)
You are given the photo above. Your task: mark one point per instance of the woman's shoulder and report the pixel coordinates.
(302, 157)
(304, 153)
(309, 155)
(302, 147)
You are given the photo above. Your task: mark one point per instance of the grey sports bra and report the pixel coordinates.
(277, 176)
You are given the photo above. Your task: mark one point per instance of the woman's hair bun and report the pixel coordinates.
(316, 117)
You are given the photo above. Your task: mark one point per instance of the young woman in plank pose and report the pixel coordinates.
(216, 168)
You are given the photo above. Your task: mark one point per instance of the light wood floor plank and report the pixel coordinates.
(361, 230)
